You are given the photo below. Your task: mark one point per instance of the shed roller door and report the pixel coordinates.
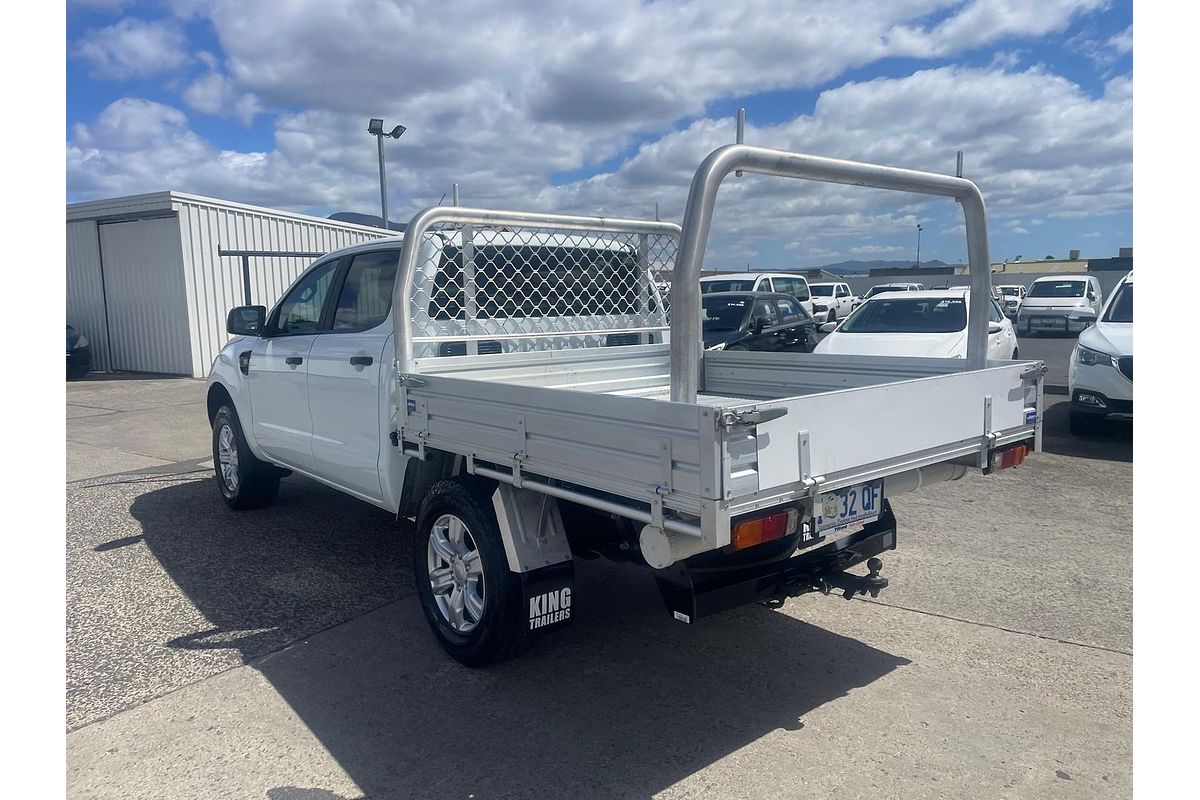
(146, 300)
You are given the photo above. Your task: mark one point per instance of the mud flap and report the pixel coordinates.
(549, 596)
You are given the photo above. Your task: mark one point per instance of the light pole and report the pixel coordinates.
(375, 128)
(920, 228)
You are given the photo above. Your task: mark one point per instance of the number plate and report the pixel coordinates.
(854, 505)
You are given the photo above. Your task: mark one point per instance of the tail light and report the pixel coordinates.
(1007, 457)
(756, 530)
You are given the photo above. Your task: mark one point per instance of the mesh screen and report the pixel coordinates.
(484, 290)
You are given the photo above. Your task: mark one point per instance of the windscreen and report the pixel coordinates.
(708, 287)
(885, 288)
(724, 313)
(1121, 308)
(821, 291)
(1009, 291)
(908, 315)
(1057, 289)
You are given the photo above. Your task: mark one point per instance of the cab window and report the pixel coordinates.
(765, 309)
(366, 294)
(790, 312)
(300, 310)
(995, 315)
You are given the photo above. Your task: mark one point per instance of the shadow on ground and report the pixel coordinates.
(625, 702)
(1113, 442)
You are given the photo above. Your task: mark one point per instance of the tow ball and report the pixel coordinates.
(850, 585)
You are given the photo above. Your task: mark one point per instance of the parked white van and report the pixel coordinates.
(1060, 304)
(778, 282)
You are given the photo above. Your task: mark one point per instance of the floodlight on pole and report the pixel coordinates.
(920, 228)
(375, 128)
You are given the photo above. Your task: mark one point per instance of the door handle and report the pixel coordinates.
(293, 360)
(361, 361)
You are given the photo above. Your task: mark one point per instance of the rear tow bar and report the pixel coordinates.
(694, 593)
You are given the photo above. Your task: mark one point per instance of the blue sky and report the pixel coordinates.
(607, 108)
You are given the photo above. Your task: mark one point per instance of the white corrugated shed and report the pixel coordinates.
(146, 285)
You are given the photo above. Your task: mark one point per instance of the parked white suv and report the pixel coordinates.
(1060, 304)
(832, 301)
(778, 282)
(1100, 378)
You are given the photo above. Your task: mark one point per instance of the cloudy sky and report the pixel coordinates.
(608, 107)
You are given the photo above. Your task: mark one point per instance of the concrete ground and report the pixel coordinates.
(281, 653)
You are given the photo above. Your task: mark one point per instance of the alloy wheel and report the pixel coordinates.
(455, 572)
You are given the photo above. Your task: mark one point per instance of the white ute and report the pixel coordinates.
(832, 301)
(506, 379)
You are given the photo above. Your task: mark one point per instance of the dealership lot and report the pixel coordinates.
(280, 653)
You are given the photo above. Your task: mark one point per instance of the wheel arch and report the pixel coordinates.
(218, 396)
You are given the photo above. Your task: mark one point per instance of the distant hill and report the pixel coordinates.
(371, 220)
(863, 267)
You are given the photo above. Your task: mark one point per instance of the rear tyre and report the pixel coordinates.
(832, 316)
(471, 600)
(245, 481)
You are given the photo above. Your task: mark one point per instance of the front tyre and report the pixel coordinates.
(471, 600)
(244, 481)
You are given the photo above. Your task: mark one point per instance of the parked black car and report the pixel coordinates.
(79, 354)
(757, 321)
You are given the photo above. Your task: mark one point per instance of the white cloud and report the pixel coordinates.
(214, 93)
(529, 91)
(1035, 142)
(133, 48)
(876, 249)
(1123, 41)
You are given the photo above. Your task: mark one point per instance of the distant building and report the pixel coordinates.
(1073, 263)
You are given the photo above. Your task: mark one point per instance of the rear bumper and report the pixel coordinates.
(692, 594)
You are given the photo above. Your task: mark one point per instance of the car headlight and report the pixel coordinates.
(718, 346)
(820, 307)
(1093, 358)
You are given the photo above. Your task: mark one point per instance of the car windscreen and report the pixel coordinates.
(885, 288)
(707, 287)
(1057, 289)
(724, 313)
(908, 315)
(1012, 290)
(1121, 308)
(821, 291)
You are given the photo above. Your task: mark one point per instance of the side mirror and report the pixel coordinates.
(995, 327)
(246, 320)
(829, 327)
(759, 324)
